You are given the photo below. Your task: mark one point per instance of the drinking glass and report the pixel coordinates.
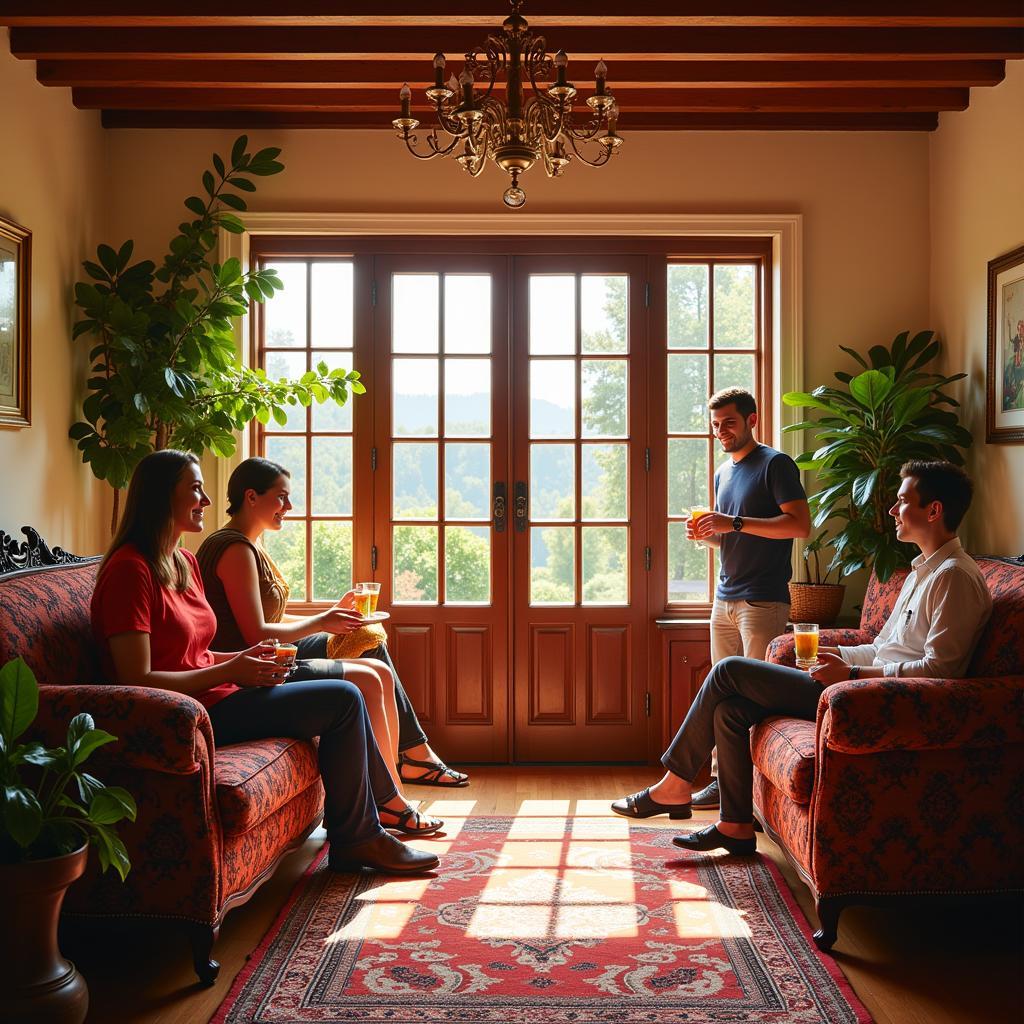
(696, 513)
(366, 598)
(805, 637)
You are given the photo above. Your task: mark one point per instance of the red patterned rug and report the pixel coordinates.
(545, 921)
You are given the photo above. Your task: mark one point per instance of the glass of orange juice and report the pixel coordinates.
(805, 638)
(696, 512)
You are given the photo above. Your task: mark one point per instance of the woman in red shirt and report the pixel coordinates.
(154, 626)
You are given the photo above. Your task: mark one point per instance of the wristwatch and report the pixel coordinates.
(855, 671)
(737, 524)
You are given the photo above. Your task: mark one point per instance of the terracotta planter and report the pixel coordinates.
(37, 983)
(816, 602)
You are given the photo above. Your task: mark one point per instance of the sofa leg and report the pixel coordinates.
(828, 914)
(203, 937)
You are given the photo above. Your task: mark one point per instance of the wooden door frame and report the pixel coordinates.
(536, 233)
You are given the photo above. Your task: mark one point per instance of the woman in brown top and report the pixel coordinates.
(249, 595)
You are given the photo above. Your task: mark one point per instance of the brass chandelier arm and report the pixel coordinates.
(603, 156)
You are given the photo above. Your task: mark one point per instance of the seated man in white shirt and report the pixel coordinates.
(932, 631)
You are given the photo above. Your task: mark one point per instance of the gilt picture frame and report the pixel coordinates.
(1004, 402)
(15, 324)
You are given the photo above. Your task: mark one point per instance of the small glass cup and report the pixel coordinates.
(280, 651)
(805, 639)
(695, 513)
(367, 595)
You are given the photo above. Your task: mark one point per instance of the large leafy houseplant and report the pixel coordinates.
(51, 805)
(164, 366)
(892, 411)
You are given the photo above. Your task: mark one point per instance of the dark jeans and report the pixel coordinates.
(356, 779)
(410, 732)
(737, 693)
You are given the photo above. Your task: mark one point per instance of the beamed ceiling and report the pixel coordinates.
(672, 64)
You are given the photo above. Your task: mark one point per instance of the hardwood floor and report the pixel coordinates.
(936, 967)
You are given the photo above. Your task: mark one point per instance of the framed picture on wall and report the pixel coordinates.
(15, 323)
(1005, 388)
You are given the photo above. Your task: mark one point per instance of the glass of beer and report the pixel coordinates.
(366, 598)
(805, 637)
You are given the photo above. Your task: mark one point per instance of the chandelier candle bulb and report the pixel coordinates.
(405, 95)
(600, 76)
(439, 63)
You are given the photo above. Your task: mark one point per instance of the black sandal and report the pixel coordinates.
(402, 818)
(434, 776)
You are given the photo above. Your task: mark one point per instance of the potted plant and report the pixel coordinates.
(164, 367)
(815, 599)
(891, 412)
(53, 811)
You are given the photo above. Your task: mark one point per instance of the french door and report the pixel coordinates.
(509, 471)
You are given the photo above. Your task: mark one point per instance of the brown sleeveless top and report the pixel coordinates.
(273, 596)
(273, 589)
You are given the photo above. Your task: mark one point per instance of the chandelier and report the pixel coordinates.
(525, 129)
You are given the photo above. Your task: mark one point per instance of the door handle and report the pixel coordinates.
(500, 503)
(521, 506)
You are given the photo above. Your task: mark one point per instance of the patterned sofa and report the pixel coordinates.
(904, 789)
(212, 825)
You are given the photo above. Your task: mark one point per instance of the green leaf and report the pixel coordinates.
(280, 416)
(243, 183)
(111, 805)
(209, 183)
(238, 149)
(856, 355)
(870, 388)
(864, 487)
(92, 740)
(218, 165)
(19, 699)
(196, 205)
(108, 258)
(235, 202)
(23, 815)
(264, 170)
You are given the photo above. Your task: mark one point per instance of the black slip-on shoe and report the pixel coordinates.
(385, 854)
(711, 839)
(640, 805)
(706, 797)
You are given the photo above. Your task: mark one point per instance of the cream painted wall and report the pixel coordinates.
(864, 198)
(51, 182)
(977, 213)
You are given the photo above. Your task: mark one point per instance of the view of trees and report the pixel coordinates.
(694, 368)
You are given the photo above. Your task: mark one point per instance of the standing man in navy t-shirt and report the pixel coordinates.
(760, 506)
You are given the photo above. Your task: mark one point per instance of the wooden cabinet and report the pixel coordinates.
(685, 662)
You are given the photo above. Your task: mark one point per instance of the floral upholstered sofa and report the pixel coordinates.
(212, 824)
(904, 789)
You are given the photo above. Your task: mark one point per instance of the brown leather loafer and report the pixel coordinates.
(711, 839)
(385, 854)
(641, 805)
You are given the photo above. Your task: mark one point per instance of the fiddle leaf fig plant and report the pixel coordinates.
(892, 411)
(165, 371)
(51, 805)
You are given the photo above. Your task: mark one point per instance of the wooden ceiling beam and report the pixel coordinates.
(544, 14)
(385, 102)
(581, 42)
(722, 121)
(344, 75)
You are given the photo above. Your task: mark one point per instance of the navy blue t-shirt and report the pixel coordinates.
(756, 568)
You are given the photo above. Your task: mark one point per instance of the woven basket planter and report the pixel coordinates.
(816, 602)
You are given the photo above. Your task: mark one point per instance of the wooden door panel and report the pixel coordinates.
(470, 695)
(580, 683)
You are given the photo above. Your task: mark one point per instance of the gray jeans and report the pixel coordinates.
(744, 628)
(737, 693)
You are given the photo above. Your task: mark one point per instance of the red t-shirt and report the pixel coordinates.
(129, 599)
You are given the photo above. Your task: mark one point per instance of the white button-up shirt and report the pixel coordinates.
(937, 620)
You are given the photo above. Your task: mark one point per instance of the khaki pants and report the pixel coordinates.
(744, 628)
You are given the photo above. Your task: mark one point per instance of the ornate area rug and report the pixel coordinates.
(545, 921)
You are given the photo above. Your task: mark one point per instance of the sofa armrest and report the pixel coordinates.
(872, 715)
(156, 730)
(780, 650)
